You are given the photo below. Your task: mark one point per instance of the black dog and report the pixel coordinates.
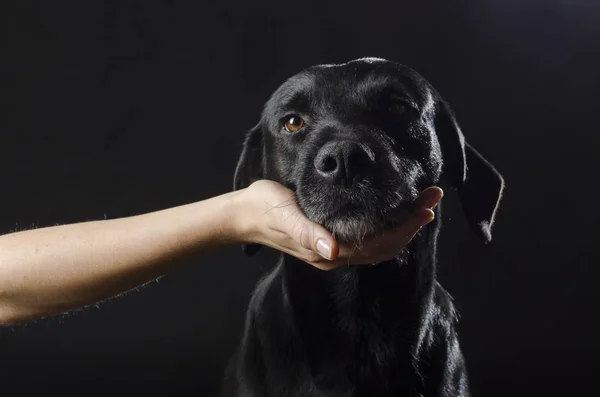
(357, 142)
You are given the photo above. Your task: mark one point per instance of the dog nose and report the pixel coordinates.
(343, 162)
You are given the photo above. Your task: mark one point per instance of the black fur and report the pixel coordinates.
(360, 331)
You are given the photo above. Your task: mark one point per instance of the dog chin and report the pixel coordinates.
(353, 226)
(352, 229)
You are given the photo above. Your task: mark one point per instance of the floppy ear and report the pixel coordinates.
(250, 168)
(478, 183)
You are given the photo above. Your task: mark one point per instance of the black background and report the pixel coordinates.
(111, 109)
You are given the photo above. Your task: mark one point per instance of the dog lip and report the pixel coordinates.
(333, 209)
(338, 214)
(346, 209)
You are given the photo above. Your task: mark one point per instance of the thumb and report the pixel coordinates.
(325, 245)
(315, 237)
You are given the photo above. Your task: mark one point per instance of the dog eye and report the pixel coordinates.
(293, 124)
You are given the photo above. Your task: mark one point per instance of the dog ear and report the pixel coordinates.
(250, 168)
(478, 183)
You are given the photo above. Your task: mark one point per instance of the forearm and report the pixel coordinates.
(55, 269)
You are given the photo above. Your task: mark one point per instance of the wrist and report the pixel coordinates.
(239, 220)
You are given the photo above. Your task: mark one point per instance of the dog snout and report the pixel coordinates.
(343, 162)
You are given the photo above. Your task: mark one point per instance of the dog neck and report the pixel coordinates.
(350, 320)
(400, 285)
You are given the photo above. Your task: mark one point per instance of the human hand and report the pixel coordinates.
(267, 213)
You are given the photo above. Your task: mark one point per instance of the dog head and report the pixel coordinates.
(358, 141)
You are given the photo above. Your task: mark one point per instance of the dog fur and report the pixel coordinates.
(375, 134)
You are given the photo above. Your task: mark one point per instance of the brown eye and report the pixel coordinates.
(293, 123)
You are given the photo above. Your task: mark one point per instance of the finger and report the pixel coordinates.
(390, 243)
(429, 198)
(326, 266)
(327, 246)
(417, 219)
(309, 256)
(314, 237)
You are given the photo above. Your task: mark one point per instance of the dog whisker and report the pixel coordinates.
(283, 204)
(292, 214)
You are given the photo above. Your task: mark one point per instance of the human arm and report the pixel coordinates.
(56, 269)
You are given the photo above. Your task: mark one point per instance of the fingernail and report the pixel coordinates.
(323, 249)
(429, 217)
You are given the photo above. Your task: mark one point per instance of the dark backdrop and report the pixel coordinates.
(117, 108)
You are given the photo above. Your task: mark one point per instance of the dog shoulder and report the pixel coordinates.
(446, 367)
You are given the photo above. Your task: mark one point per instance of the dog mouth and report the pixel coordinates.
(354, 226)
(352, 219)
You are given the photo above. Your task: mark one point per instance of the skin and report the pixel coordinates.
(56, 269)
